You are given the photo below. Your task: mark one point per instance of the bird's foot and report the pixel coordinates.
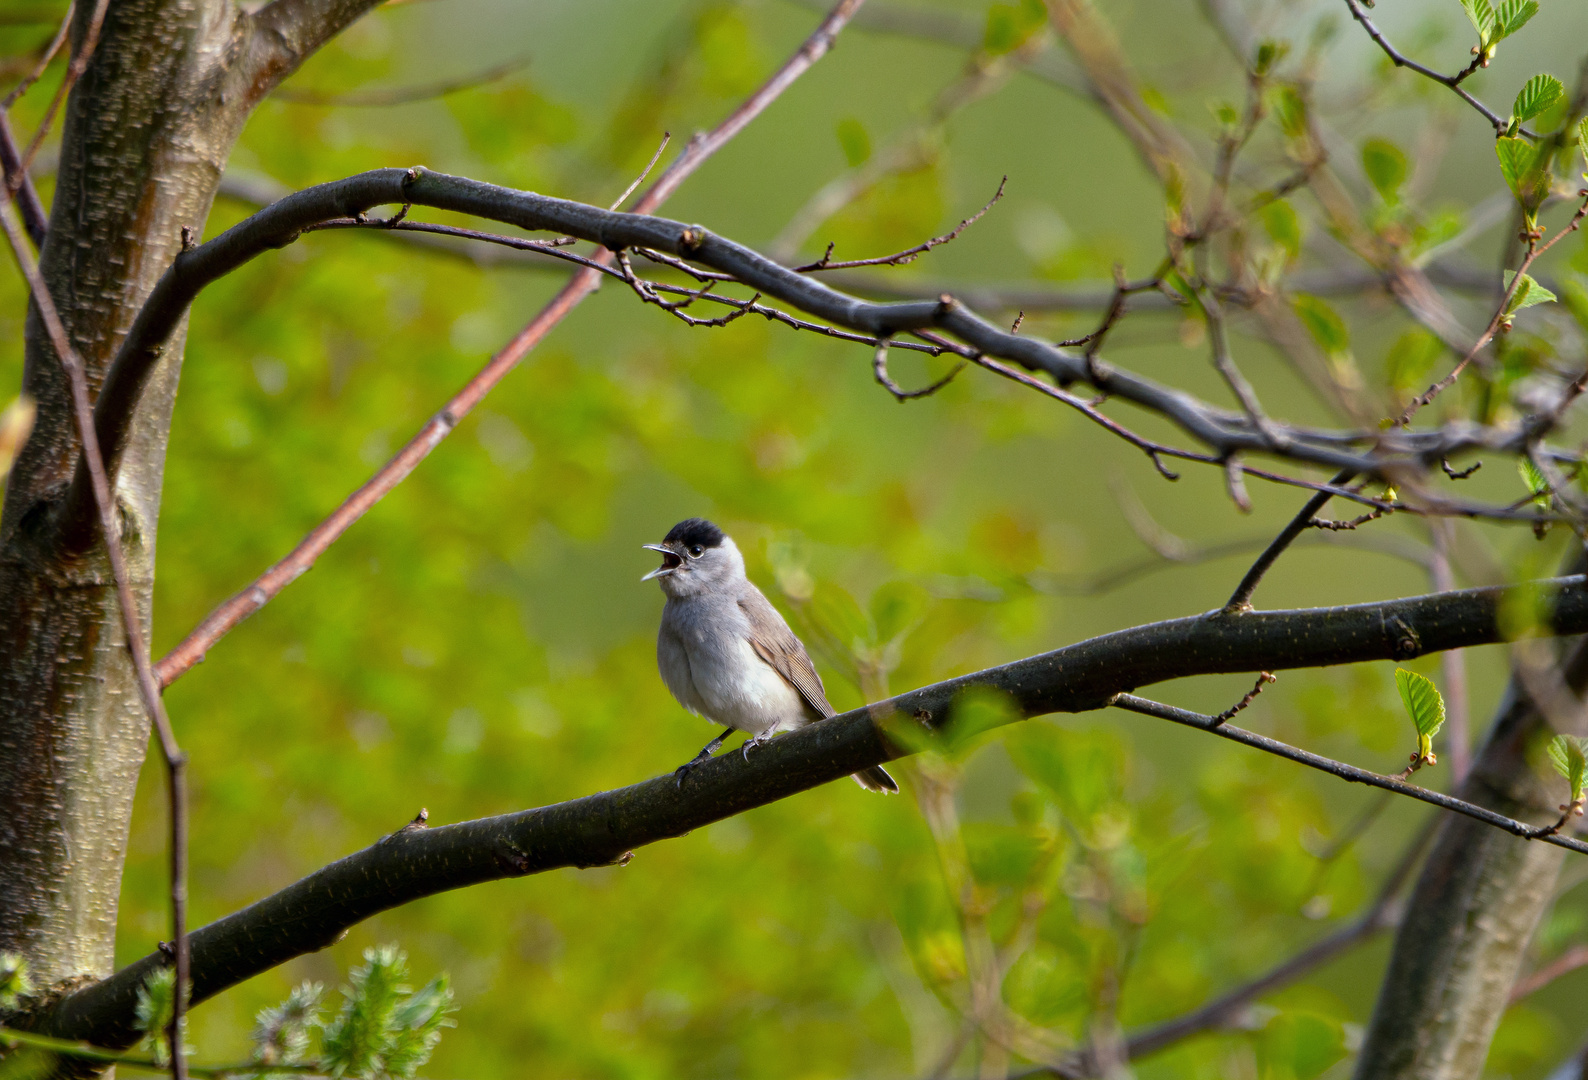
(752, 743)
(681, 773)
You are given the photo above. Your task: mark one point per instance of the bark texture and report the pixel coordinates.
(1477, 902)
(147, 132)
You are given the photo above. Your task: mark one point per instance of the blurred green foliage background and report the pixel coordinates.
(481, 643)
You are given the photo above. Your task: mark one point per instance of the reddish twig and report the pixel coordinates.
(148, 689)
(219, 622)
(1564, 964)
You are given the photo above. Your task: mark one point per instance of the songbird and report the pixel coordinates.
(726, 653)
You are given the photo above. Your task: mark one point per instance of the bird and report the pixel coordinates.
(725, 652)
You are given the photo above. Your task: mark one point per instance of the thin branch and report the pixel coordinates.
(11, 1038)
(148, 690)
(219, 622)
(1498, 122)
(667, 137)
(401, 95)
(1564, 964)
(1501, 315)
(45, 58)
(74, 71)
(909, 254)
(1544, 834)
(19, 185)
(1263, 679)
(879, 369)
(604, 829)
(1241, 598)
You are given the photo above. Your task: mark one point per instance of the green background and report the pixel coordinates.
(481, 643)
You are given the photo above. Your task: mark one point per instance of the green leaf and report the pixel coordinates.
(1290, 108)
(1526, 171)
(854, 141)
(1481, 14)
(1582, 135)
(1411, 359)
(1512, 16)
(1010, 26)
(1385, 166)
(1529, 293)
(1269, 53)
(152, 1013)
(1569, 755)
(1537, 485)
(1324, 323)
(1423, 705)
(1541, 92)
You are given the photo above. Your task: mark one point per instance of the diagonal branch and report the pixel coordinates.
(603, 829)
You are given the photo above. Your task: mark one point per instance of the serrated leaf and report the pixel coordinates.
(1539, 93)
(1569, 755)
(1535, 481)
(1385, 165)
(1423, 703)
(1481, 14)
(1526, 172)
(1529, 293)
(1512, 16)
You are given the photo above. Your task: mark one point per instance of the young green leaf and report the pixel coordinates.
(1425, 707)
(1482, 16)
(1512, 16)
(1582, 135)
(1385, 166)
(1569, 755)
(1541, 92)
(1535, 481)
(281, 1032)
(156, 1000)
(1526, 171)
(1528, 294)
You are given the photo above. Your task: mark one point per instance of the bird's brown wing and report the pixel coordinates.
(775, 643)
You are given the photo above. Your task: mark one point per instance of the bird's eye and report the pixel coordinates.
(696, 552)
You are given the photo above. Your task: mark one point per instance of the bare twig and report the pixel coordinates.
(879, 369)
(1263, 679)
(74, 71)
(909, 254)
(1498, 122)
(1241, 599)
(1564, 964)
(220, 621)
(19, 185)
(43, 64)
(148, 689)
(1347, 772)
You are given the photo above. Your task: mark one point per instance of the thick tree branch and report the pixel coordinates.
(285, 33)
(1224, 432)
(603, 829)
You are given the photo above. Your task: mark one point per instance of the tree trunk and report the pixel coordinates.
(147, 132)
(1477, 902)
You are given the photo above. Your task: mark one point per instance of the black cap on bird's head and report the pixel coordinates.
(694, 532)
(684, 543)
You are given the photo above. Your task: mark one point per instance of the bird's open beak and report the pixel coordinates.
(671, 561)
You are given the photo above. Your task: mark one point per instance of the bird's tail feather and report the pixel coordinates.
(876, 778)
